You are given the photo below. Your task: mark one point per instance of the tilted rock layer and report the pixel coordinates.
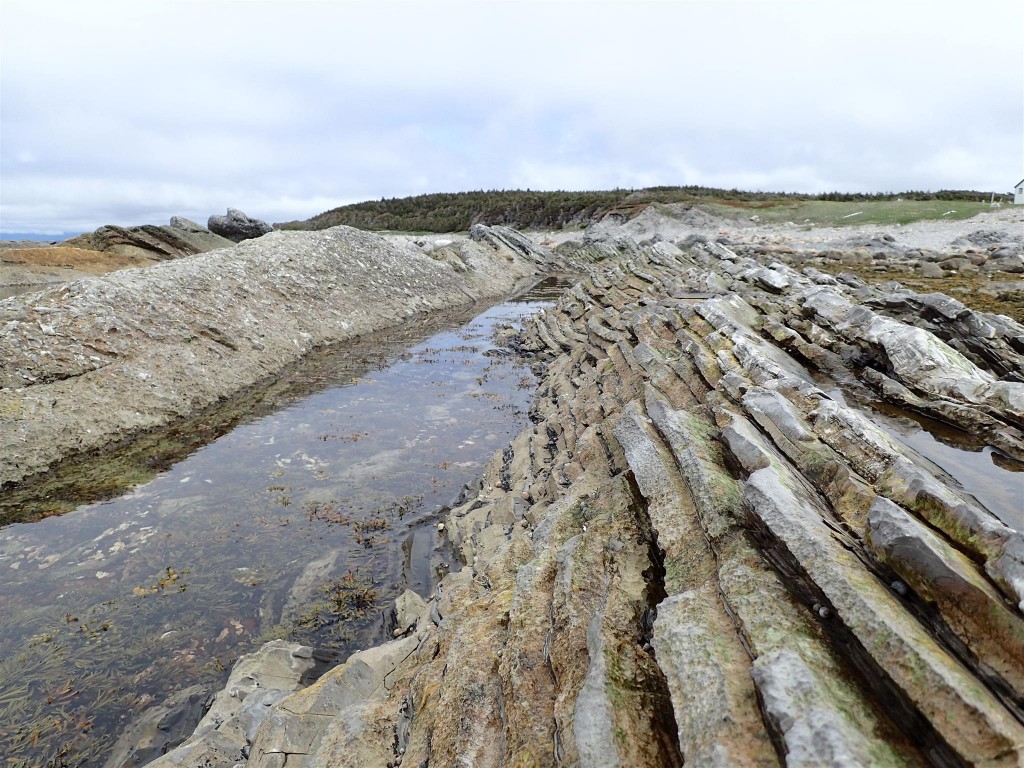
(181, 238)
(699, 553)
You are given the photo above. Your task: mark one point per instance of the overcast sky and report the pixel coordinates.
(130, 113)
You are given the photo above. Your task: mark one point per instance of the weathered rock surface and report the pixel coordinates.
(96, 360)
(159, 729)
(236, 226)
(257, 682)
(700, 551)
(151, 242)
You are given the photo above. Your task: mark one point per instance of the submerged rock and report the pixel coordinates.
(257, 682)
(159, 729)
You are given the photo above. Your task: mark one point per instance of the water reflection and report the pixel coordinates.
(991, 477)
(115, 605)
(82, 481)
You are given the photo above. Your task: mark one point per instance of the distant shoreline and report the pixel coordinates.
(14, 237)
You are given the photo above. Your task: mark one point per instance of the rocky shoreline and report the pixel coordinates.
(704, 549)
(97, 360)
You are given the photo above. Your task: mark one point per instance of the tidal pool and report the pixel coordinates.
(306, 512)
(994, 479)
(987, 474)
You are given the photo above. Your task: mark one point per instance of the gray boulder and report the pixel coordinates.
(159, 729)
(257, 682)
(1012, 262)
(982, 237)
(236, 226)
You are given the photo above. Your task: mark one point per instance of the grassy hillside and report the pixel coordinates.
(836, 213)
(526, 209)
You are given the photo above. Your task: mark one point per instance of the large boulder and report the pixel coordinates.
(236, 226)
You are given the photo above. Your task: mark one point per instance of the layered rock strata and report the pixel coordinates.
(181, 238)
(699, 552)
(99, 359)
(257, 681)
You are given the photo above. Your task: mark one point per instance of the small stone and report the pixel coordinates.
(822, 610)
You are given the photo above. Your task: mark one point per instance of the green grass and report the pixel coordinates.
(827, 213)
(526, 209)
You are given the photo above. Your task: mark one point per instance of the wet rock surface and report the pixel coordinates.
(704, 549)
(258, 680)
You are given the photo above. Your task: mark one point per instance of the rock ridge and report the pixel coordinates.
(704, 550)
(96, 360)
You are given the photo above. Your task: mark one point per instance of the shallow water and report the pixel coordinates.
(113, 606)
(994, 479)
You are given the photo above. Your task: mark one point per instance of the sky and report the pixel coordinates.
(130, 113)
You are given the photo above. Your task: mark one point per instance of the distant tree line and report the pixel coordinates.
(942, 194)
(526, 209)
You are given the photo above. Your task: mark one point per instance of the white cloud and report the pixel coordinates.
(130, 112)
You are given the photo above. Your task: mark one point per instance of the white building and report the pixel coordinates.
(1018, 193)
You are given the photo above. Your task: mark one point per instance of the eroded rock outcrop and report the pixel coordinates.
(702, 550)
(257, 681)
(150, 241)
